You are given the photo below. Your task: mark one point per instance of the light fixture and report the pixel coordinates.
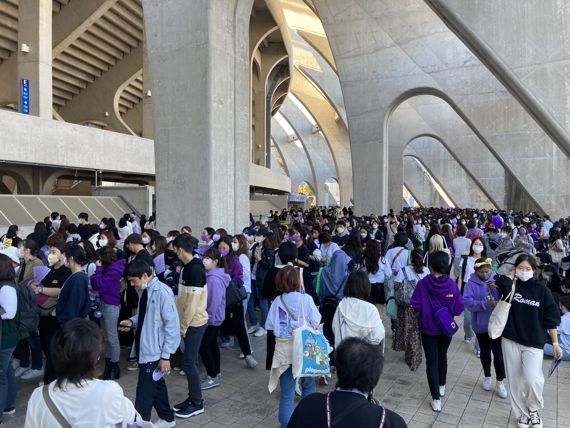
(149, 93)
(25, 48)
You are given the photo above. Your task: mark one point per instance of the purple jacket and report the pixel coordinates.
(217, 281)
(445, 291)
(474, 297)
(236, 269)
(107, 281)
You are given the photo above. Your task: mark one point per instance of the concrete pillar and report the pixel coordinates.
(35, 30)
(259, 130)
(199, 64)
(147, 119)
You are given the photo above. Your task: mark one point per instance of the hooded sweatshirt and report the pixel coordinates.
(475, 300)
(217, 281)
(107, 281)
(442, 289)
(357, 318)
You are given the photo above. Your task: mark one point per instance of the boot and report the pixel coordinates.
(114, 372)
(105, 374)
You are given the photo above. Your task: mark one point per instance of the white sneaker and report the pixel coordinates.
(182, 373)
(487, 384)
(442, 390)
(253, 329)
(260, 332)
(251, 362)
(502, 390)
(32, 374)
(535, 421)
(20, 371)
(523, 422)
(15, 363)
(161, 423)
(210, 383)
(241, 356)
(436, 405)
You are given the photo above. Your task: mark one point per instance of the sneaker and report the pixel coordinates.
(133, 366)
(241, 356)
(20, 371)
(32, 374)
(436, 405)
(252, 329)
(502, 389)
(225, 344)
(477, 354)
(260, 332)
(251, 362)
(468, 339)
(442, 390)
(219, 376)
(190, 410)
(181, 405)
(210, 382)
(182, 373)
(535, 421)
(487, 384)
(161, 423)
(15, 363)
(9, 410)
(523, 422)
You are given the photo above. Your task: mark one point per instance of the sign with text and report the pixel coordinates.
(25, 96)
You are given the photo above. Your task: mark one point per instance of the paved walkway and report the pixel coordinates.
(243, 401)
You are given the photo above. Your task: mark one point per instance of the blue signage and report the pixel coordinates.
(25, 96)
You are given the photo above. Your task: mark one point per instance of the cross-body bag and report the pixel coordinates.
(500, 314)
(443, 317)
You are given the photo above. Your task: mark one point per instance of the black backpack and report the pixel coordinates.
(28, 315)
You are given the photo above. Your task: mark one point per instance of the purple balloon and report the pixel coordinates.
(498, 221)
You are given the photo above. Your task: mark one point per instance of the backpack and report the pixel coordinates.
(28, 315)
(443, 318)
(235, 294)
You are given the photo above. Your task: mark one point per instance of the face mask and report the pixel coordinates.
(52, 259)
(146, 240)
(204, 237)
(216, 237)
(169, 239)
(250, 238)
(363, 235)
(374, 226)
(235, 246)
(522, 232)
(524, 275)
(65, 262)
(463, 222)
(258, 239)
(103, 242)
(295, 238)
(102, 226)
(340, 230)
(21, 253)
(144, 285)
(207, 263)
(545, 276)
(224, 252)
(484, 276)
(478, 248)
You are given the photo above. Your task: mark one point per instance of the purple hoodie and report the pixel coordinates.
(236, 269)
(107, 281)
(474, 297)
(445, 291)
(217, 281)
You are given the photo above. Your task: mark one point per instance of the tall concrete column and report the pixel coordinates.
(35, 30)
(148, 120)
(259, 144)
(198, 54)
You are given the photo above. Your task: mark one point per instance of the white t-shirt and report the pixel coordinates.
(469, 268)
(327, 250)
(461, 244)
(279, 320)
(411, 274)
(8, 301)
(396, 259)
(98, 403)
(245, 264)
(378, 277)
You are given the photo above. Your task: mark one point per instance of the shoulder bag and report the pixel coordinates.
(500, 315)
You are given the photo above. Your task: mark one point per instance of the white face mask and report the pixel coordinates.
(340, 230)
(169, 239)
(52, 259)
(258, 239)
(235, 246)
(250, 238)
(103, 242)
(207, 263)
(144, 285)
(102, 226)
(374, 226)
(363, 235)
(478, 248)
(146, 240)
(524, 275)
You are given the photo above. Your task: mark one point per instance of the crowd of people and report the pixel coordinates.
(72, 292)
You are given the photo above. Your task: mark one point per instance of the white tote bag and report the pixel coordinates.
(500, 314)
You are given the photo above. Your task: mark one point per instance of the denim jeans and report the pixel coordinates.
(263, 305)
(286, 401)
(468, 329)
(251, 304)
(192, 343)
(110, 320)
(7, 380)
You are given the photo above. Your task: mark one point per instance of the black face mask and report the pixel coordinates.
(170, 257)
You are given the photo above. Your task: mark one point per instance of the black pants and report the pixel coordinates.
(192, 343)
(234, 324)
(487, 345)
(22, 352)
(435, 350)
(151, 393)
(48, 327)
(209, 350)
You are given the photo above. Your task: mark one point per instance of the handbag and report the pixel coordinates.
(235, 294)
(443, 318)
(403, 292)
(500, 315)
(46, 304)
(311, 349)
(391, 305)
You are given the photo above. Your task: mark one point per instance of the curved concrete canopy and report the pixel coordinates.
(450, 174)
(383, 49)
(421, 185)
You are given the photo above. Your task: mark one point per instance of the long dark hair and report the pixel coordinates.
(417, 260)
(371, 256)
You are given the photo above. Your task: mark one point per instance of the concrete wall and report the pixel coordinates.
(139, 197)
(420, 185)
